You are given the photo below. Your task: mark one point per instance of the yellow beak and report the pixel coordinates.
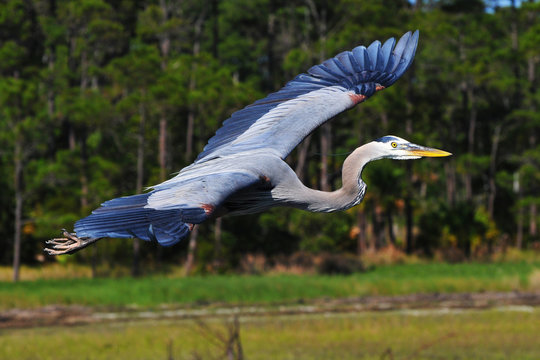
(418, 150)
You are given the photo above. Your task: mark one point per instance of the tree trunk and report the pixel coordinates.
(215, 28)
(190, 132)
(492, 164)
(472, 117)
(450, 171)
(192, 247)
(140, 149)
(449, 166)
(470, 137)
(531, 77)
(270, 47)
(378, 227)
(519, 234)
(409, 247)
(165, 46)
(319, 16)
(326, 138)
(51, 95)
(384, 122)
(84, 175)
(72, 65)
(189, 136)
(218, 260)
(303, 149)
(84, 157)
(84, 153)
(84, 72)
(390, 224)
(84, 197)
(409, 238)
(361, 239)
(162, 148)
(533, 213)
(192, 85)
(93, 262)
(18, 209)
(135, 270)
(520, 215)
(468, 106)
(50, 13)
(532, 207)
(135, 267)
(72, 140)
(516, 96)
(326, 129)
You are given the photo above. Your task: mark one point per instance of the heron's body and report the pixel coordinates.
(279, 186)
(242, 169)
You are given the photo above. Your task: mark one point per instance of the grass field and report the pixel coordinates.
(503, 333)
(510, 333)
(237, 289)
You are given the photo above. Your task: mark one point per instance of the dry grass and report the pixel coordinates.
(389, 255)
(303, 263)
(534, 280)
(49, 271)
(515, 255)
(56, 270)
(300, 263)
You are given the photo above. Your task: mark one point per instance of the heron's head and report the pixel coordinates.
(394, 147)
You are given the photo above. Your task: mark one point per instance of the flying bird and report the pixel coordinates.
(242, 169)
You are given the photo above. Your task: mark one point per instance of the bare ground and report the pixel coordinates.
(60, 315)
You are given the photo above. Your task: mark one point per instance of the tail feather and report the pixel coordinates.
(127, 217)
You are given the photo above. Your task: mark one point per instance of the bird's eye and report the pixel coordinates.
(393, 144)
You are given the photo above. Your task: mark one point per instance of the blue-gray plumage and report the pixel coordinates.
(242, 169)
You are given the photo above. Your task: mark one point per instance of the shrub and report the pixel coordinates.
(333, 264)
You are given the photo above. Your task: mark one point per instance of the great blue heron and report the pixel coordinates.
(242, 169)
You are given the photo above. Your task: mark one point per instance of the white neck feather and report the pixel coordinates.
(350, 194)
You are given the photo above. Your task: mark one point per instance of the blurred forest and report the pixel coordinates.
(102, 98)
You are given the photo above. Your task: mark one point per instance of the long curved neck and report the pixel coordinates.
(350, 194)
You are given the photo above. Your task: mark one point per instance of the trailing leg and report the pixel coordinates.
(68, 244)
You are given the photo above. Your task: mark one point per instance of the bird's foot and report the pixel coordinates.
(68, 244)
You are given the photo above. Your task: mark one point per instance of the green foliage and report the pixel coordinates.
(86, 85)
(237, 289)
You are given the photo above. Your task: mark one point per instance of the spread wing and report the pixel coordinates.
(168, 212)
(259, 135)
(283, 119)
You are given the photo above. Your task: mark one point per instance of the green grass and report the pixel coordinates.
(489, 334)
(384, 280)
